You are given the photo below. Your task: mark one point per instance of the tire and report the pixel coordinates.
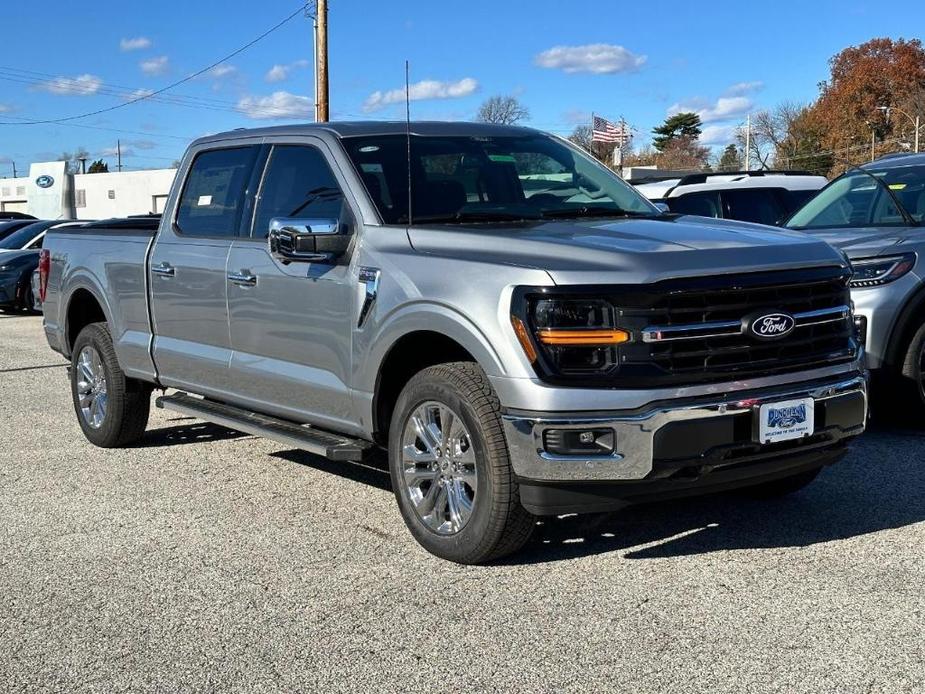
(120, 416)
(912, 377)
(28, 301)
(782, 487)
(476, 513)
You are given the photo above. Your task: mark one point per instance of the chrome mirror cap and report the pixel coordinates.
(294, 240)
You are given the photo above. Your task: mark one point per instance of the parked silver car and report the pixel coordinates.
(875, 214)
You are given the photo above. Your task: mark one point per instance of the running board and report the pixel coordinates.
(331, 446)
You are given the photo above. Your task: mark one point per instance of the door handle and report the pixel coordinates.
(164, 270)
(243, 279)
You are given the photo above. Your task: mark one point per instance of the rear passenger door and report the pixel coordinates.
(703, 204)
(187, 275)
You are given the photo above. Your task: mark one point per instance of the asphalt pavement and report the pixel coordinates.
(205, 560)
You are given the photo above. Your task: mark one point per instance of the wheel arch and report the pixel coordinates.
(83, 307)
(415, 341)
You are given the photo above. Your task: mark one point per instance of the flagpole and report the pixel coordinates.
(591, 141)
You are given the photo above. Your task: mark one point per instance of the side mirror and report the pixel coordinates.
(305, 240)
(662, 207)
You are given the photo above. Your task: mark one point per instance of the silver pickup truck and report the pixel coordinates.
(523, 332)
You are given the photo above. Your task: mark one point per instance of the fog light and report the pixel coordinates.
(579, 442)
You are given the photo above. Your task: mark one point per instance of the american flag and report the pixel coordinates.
(602, 130)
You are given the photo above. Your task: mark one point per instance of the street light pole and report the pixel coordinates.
(915, 121)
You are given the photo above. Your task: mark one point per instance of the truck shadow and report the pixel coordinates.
(191, 431)
(879, 486)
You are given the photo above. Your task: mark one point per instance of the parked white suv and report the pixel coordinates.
(765, 197)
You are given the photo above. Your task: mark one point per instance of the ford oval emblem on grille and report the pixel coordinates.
(44, 181)
(772, 325)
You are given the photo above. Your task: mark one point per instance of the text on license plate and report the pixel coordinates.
(786, 420)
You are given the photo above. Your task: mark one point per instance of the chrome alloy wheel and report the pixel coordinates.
(91, 387)
(438, 466)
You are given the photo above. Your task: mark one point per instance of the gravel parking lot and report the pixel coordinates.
(203, 560)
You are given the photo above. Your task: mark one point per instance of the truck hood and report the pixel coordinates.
(627, 251)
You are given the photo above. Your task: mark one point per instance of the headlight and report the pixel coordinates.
(873, 272)
(571, 336)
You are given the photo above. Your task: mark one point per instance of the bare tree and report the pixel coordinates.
(506, 110)
(772, 138)
(73, 160)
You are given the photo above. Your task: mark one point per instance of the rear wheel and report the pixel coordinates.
(450, 468)
(111, 408)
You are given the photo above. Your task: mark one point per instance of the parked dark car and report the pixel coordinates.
(9, 226)
(15, 215)
(19, 258)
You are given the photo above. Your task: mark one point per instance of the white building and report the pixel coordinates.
(49, 192)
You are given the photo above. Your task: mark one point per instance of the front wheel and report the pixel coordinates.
(450, 467)
(111, 408)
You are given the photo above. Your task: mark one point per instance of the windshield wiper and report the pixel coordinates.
(593, 211)
(908, 218)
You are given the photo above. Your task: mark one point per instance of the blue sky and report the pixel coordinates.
(563, 60)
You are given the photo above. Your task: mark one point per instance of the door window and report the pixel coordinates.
(700, 204)
(215, 192)
(754, 205)
(298, 183)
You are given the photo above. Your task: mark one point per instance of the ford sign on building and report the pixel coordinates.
(45, 181)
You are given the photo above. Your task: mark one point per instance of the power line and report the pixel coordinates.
(188, 78)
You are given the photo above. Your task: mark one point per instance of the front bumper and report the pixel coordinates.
(685, 439)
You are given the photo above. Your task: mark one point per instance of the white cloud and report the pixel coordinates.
(717, 135)
(280, 73)
(136, 44)
(155, 66)
(277, 105)
(742, 88)
(419, 91)
(223, 70)
(724, 108)
(82, 85)
(5, 108)
(596, 58)
(138, 94)
(577, 117)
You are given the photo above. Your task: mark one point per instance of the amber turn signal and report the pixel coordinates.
(524, 338)
(585, 338)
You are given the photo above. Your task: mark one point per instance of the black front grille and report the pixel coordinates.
(732, 299)
(725, 300)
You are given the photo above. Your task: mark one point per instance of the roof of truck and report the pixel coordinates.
(360, 128)
(369, 127)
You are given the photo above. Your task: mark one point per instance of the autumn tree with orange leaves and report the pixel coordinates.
(879, 73)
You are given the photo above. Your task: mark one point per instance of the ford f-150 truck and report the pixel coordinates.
(523, 332)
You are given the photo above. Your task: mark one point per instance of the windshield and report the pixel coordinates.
(856, 200)
(19, 239)
(485, 179)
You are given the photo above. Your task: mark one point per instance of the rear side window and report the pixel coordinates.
(700, 204)
(298, 183)
(214, 194)
(758, 205)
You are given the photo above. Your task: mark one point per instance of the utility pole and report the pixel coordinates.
(14, 168)
(873, 143)
(748, 142)
(917, 123)
(321, 63)
(119, 153)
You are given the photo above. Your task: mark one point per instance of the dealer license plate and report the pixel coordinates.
(786, 420)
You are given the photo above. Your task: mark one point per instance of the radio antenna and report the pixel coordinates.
(408, 135)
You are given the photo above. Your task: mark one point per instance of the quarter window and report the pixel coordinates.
(215, 191)
(298, 183)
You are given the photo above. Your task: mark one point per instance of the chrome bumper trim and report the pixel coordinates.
(635, 432)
